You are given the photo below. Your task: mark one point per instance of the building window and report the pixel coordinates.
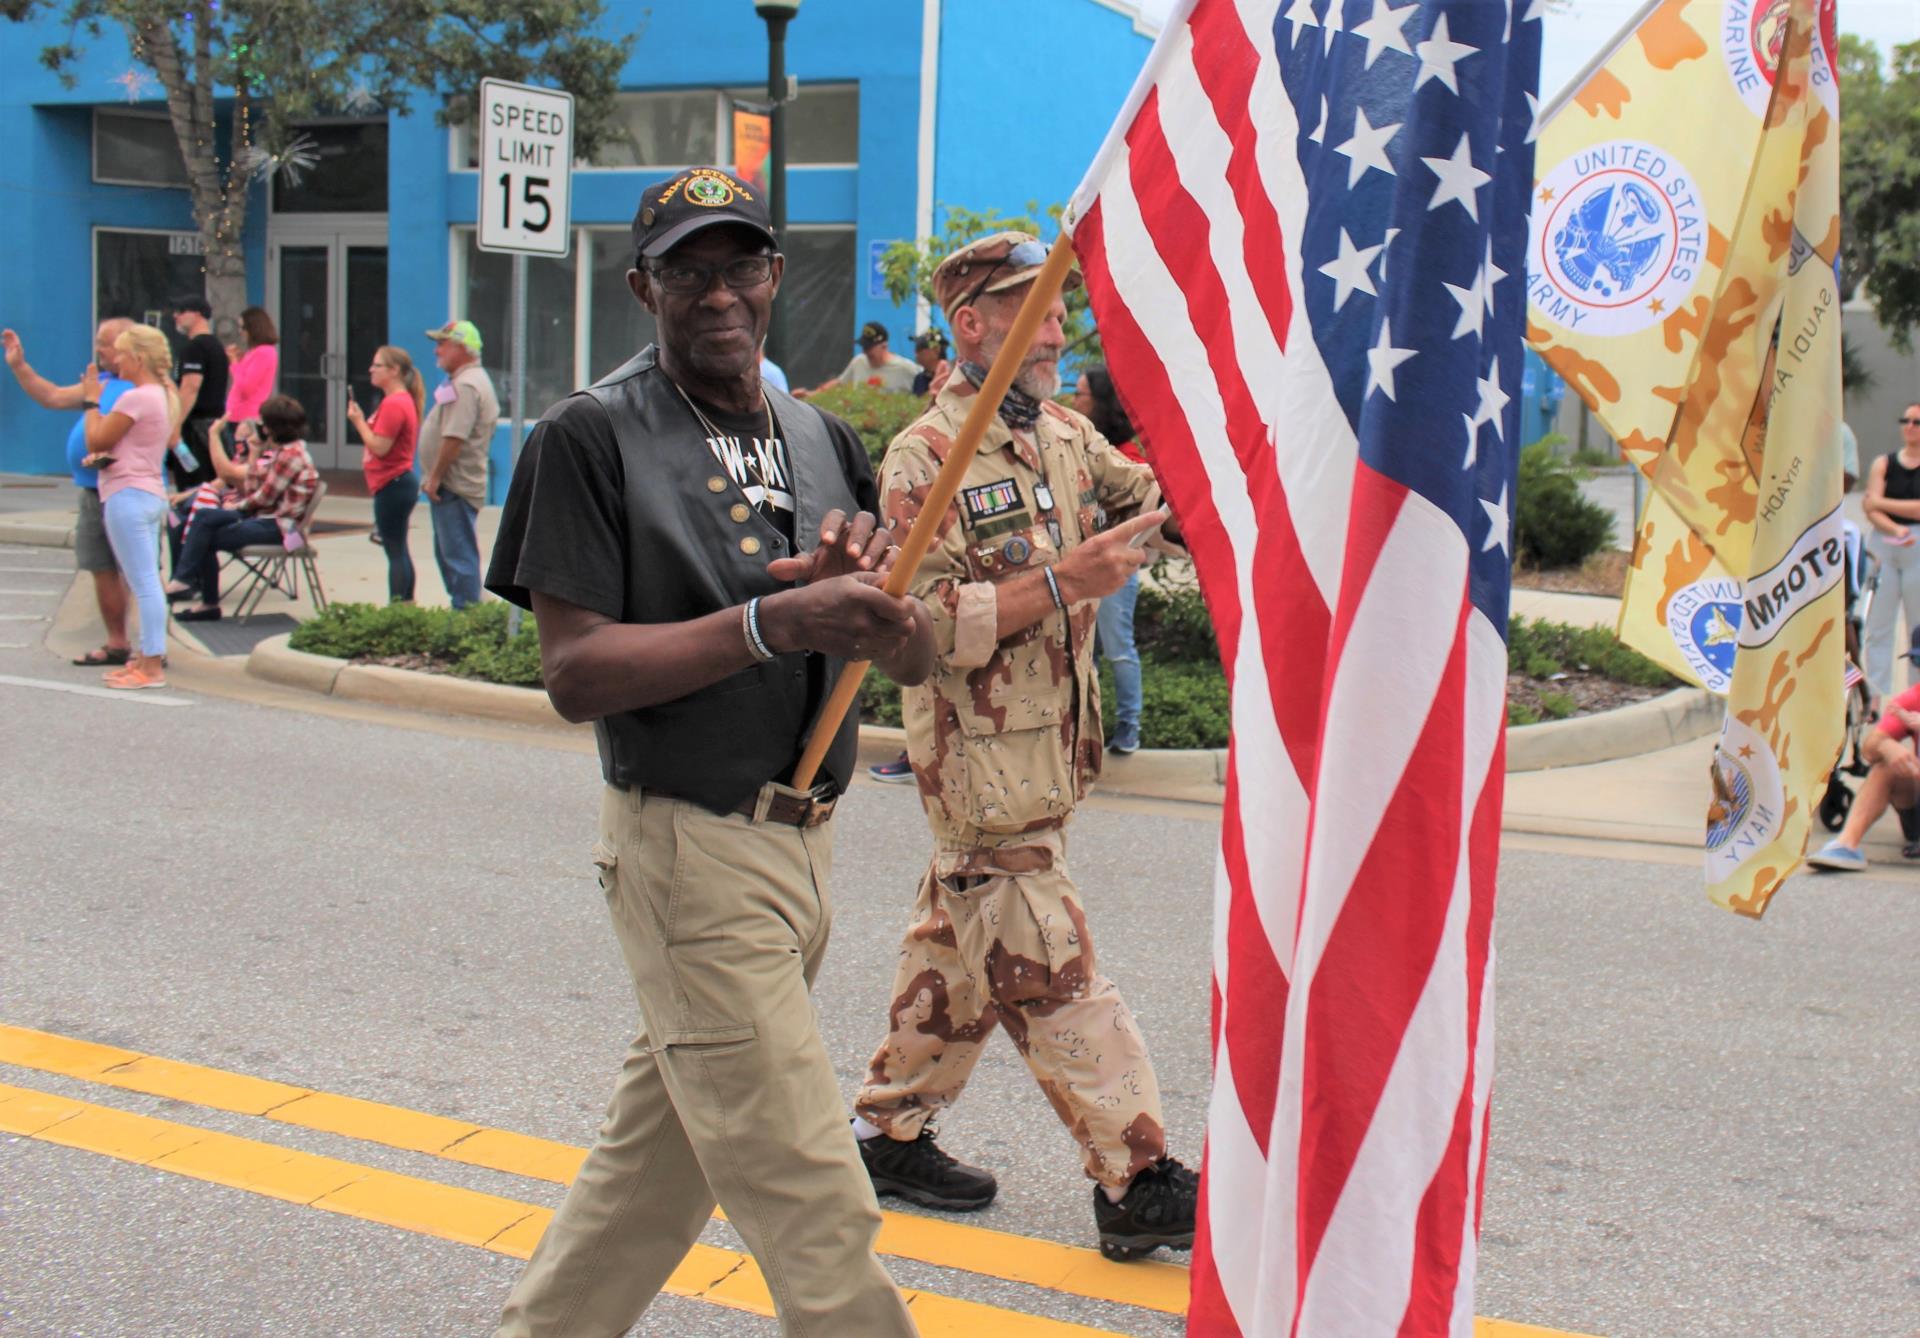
(136, 149)
(348, 175)
(137, 274)
(581, 327)
(483, 294)
(689, 127)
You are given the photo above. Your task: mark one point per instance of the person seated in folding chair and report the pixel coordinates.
(1894, 779)
(275, 487)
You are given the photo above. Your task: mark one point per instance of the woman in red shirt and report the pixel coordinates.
(387, 461)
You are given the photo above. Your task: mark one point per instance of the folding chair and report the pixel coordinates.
(278, 568)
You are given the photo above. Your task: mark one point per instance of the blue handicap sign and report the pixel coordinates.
(876, 277)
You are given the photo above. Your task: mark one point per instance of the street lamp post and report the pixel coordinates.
(777, 13)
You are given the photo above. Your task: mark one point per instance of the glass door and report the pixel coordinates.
(328, 290)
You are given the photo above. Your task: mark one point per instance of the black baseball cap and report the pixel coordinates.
(701, 197)
(930, 337)
(873, 332)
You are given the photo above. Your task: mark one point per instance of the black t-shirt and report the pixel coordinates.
(753, 451)
(204, 355)
(565, 534)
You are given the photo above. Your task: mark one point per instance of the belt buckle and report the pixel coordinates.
(820, 802)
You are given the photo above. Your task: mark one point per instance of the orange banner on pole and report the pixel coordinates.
(752, 140)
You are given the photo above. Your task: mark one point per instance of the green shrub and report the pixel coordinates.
(1537, 648)
(1172, 624)
(1554, 526)
(880, 699)
(472, 642)
(877, 415)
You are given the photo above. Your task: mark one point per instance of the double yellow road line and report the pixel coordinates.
(507, 1226)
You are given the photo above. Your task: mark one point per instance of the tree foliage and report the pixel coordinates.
(907, 267)
(276, 63)
(1880, 180)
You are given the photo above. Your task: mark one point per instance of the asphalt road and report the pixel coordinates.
(1702, 1126)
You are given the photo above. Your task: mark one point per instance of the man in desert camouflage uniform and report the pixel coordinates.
(1005, 738)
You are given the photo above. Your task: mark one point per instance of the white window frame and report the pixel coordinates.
(722, 130)
(93, 155)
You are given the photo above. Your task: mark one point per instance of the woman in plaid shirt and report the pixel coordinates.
(275, 488)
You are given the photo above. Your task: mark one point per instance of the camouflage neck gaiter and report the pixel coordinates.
(1018, 410)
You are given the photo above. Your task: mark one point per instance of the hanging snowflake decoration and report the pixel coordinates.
(134, 82)
(360, 99)
(295, 159)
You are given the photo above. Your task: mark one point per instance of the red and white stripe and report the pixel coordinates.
(1352, 951)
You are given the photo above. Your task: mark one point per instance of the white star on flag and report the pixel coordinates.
(1319, 134)
(1367, 148)
(1497, 522)
(1300, 15)
(1438, 55)
(1331, 24)
(1459, 179)
(1382, 358)
(1384, 31)
(1387, 245)
(1348, 270)
(1493, 400)
(1473, 305)
(1473, 442)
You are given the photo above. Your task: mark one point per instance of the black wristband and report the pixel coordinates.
(90, 404)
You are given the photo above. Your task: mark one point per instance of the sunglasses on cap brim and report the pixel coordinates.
(1021, 255)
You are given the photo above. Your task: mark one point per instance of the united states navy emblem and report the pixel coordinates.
(1619, 235)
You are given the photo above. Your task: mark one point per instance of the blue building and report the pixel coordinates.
(903, 108)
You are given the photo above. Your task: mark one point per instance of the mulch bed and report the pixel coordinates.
(1602, 574)
(1591, 693)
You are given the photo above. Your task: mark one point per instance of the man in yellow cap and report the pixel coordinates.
(454, 444)
(1004, 738)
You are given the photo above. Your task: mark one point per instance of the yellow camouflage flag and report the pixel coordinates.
(1686, 217)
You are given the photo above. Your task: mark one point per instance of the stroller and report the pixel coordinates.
(1863, 579)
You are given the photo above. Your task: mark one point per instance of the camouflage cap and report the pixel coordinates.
(990, 264)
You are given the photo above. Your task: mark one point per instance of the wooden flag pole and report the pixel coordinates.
(1041, 293)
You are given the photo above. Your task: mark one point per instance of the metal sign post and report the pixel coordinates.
(526, 204)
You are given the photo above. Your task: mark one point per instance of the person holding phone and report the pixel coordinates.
(386, 459)
(1892, 506)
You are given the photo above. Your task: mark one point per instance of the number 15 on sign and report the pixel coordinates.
(526, 169)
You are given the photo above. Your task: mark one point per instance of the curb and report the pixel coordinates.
(39, 536)
(1679, 716)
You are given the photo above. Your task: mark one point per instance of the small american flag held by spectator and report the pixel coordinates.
(1854, 677)
(1303, 242)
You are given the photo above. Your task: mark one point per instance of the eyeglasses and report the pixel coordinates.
(1023, 255)
(685, 279)
(1910, 422)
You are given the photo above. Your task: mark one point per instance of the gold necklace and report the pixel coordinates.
(747, 458)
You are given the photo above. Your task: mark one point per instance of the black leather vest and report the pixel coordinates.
(720, 744)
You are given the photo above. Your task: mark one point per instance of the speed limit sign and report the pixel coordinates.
(526, 169)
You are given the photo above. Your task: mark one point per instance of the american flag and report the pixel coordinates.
(1304, 245)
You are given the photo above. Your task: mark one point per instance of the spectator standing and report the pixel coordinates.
(91, 551)
(1892, 507)
(275, 487)
(875, 365)
(128, 443)
(254, 370)
(203, 389)
(930, 355)
(1094, 397)
(454, 443)
(387, 459)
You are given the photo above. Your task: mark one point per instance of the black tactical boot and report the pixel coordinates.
(919, 1172)
(1157, 1209)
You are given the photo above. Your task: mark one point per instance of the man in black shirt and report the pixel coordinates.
(702, 554)
(203, 389)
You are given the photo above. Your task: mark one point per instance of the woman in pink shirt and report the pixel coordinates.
(254, 371)
(128, 446)
(387, 461)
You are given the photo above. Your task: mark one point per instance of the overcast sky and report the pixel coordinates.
(1581, 27)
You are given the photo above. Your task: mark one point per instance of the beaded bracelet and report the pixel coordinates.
(750, 624)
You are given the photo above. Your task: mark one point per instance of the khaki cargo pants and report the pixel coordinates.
(727, 1091)
(999, 938)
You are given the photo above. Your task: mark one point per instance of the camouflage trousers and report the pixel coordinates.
(999, 938)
